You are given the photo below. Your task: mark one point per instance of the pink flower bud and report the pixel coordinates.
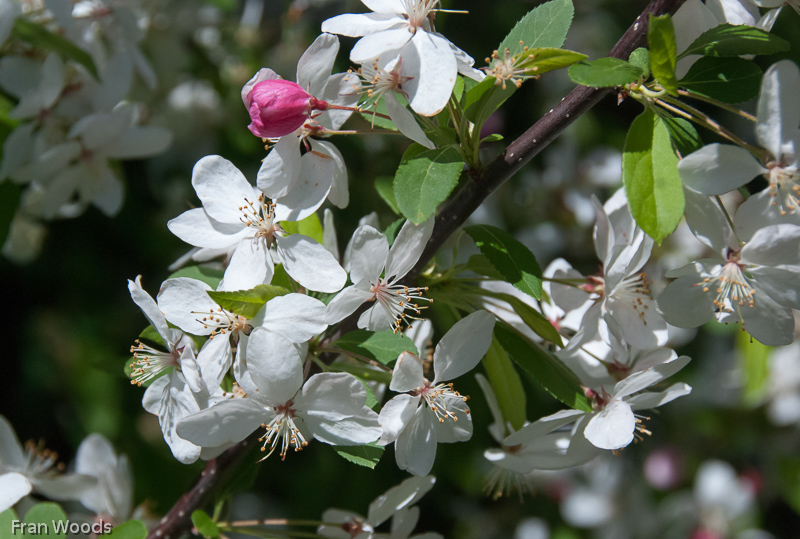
(278, 107)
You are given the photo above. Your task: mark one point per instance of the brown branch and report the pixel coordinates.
(218, 472)
(461, 206)
(534, 140)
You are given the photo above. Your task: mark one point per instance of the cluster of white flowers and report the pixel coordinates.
(73, 120)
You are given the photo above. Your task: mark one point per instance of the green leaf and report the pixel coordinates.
(605, 72)
(150, 334)
(731, 80)
(247, 303)
(535, 320)
(663, 52)
(392, 230)
(6, 519)
(210, 276)
(650, 175)
(641, 58)
(51, 515)
(364, 455)
(506, 384)
(425, 180)
(205, 526)
(684, 136)
(310, 226)
(485, 98)
(132, 529)
(735, 40)
(382, 346)
(383, 185)
(544, 367)
(754, 358)
(363, 372)
(544, 26)
(38, 36)
(481, 265)
(510, 257)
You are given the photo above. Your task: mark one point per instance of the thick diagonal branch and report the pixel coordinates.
(457, 210)
(533, 141)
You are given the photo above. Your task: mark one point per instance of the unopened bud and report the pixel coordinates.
(278, 107)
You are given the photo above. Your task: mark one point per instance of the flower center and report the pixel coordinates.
(149, 363)
(732, 288)
(418, 12)
(634, 290)
(396, 299)
(260, 216)
(356, 526)
(517, 68)
(223, 322)
(443, 400)
(378, 81)
(784, 188)
(282, 432)
(40, 461)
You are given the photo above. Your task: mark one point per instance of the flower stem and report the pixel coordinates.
(727, 217)
(720, 104)
(358, 109)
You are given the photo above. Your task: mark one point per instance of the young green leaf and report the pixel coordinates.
(310, 226)
(425, 180)
(663, 52)
(511, 258)
(543, 367)
(544, 26)
(506, 384)
(641, 58)
(684, 136)
(364, 455)
(605, 72)
(132, 529)
(650, 175)
(481, 265)
(731, 80)
(40, 37)
(383, 185)
(735, 40)
(754, 364)
(204, 525)
(485, 98)
(535, 320)
(247, 303)
(382, 346)
(51, 515)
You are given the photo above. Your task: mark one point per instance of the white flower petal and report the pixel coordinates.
(543, 426)
(611, 428)
(773, 246)
(345, 303)
(150, 309)
(407, 248)
(760, 211)
(342, 89)
(373, 45)
(309, 191)
(274, 365)
(375, 319)
(407, 374)
(707, 222)
(339, 194)
(250, 266)
(195, 228)
(463, 346)
(395, 416)
(369, 249)
(184, 302)
(398, 497)
(436, 70)
(280, 169)
(646, 401)
(314, 67)
(769, 322)
(214, 360)
(295, 316)
(222, 189)
(310, 264)
(684, 303)
(333, 407)
(405, 121)
(140, 142)
(13, 487)
(644, 379)
(415, 448)
(359, 24)
(778, 106)
(718, 168)
(229, 421)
